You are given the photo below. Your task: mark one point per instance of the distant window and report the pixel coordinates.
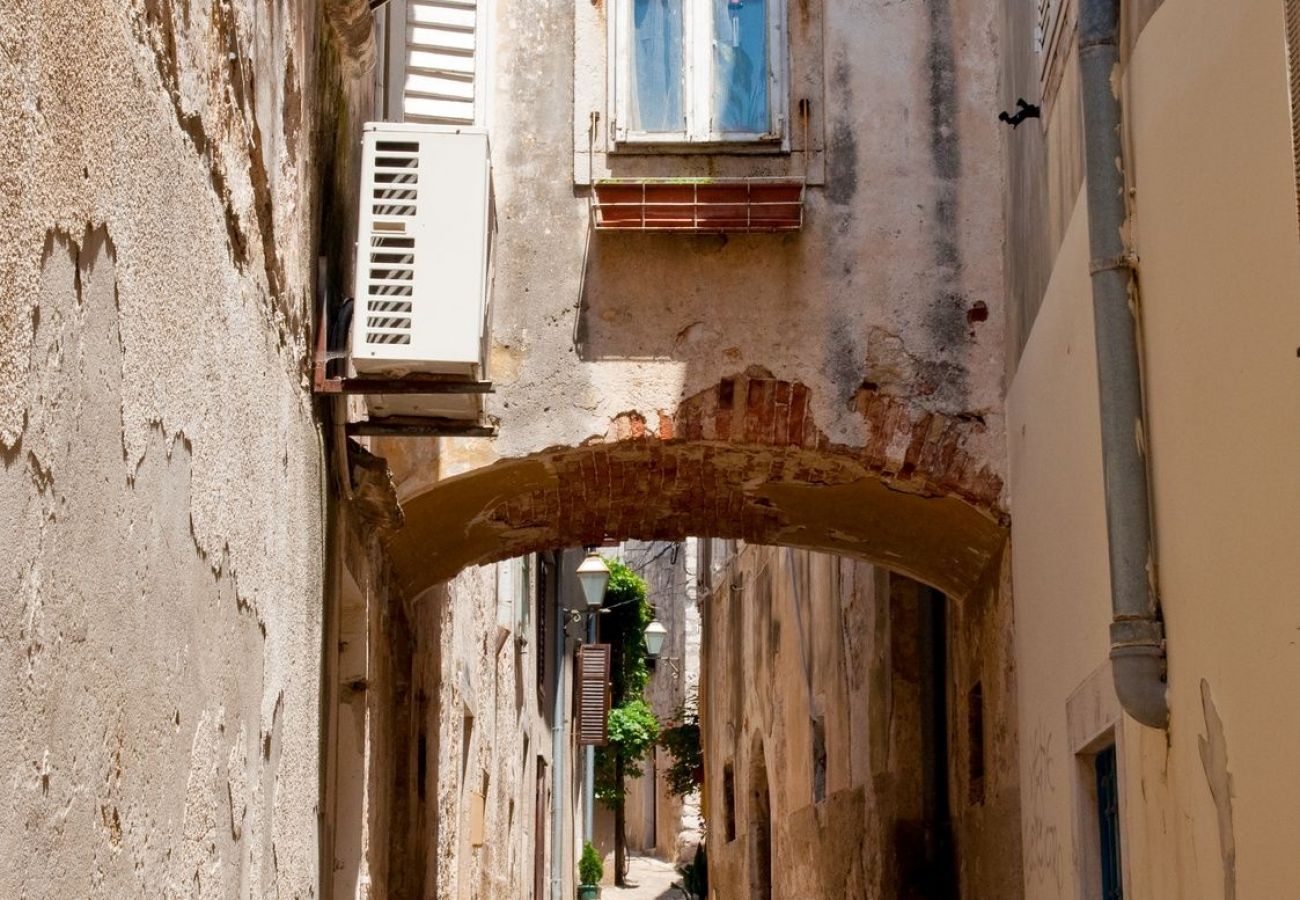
(466, 740)
(975, 744)
(421, 763)
(521, 595)
(819, 760)
(539, 646)
(1053, 38)
(729, 800)
(706, 72)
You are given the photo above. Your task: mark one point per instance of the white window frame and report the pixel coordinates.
(697, 87)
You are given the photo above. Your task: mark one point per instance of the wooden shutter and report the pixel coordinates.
(1053, 38)
(1293, 62)
(593, 694)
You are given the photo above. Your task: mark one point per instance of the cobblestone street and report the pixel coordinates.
(648, 879)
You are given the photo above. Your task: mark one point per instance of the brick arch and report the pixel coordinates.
(743, 459)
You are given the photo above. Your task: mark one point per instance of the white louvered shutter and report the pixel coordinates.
(442, 74)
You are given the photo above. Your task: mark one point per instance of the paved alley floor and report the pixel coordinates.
(653, 880)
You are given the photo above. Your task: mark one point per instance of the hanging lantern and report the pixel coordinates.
(593, 575)
(655, 633)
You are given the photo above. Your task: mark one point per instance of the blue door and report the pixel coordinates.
(1112, 880)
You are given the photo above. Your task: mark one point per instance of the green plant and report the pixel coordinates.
(633, 727)
(695, 875)
(590, 867)
(633, 730)
(681, 738)
(623, 626)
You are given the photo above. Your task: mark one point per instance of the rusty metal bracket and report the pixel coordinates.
(410, 384)
(338, 387)
(419, 426)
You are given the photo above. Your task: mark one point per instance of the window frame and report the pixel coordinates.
(697, 92)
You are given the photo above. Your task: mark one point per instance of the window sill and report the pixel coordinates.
(765, 147)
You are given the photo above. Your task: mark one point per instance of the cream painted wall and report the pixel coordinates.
(1206, 109)
(1059, 567)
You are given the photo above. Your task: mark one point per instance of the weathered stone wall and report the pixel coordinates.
(160, 479)
(460, 728)
(817, 672)
(657, 821)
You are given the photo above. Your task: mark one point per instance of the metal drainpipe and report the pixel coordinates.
(589, 786)
(1137, 646)
(557, 758)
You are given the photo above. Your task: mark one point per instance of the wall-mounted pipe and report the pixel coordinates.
(557, 748)
(1137, 650)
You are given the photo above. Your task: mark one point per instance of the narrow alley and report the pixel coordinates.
(649, 449)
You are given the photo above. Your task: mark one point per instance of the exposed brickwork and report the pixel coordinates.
(920, 450)
(744, 459)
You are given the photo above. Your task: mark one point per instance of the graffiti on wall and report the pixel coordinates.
(1042, 837)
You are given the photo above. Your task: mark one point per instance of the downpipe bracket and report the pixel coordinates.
(1125, 261)
(1138, 667)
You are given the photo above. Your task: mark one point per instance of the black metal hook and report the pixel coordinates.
(1025, 110)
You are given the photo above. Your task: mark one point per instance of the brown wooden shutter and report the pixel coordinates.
(1293, 60)
(593, 694)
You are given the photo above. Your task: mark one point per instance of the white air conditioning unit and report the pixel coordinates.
(423, 269)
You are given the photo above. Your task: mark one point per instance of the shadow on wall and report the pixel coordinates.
(680, 296)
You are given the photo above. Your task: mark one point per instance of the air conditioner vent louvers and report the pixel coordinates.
(396, 176)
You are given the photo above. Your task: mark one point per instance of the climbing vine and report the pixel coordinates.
(633, 727)
(680, 737)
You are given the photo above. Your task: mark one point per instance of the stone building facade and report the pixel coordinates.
(813, 389)
(860, 735)
(250, 656)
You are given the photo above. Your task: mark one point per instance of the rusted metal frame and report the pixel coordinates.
(409, 385)
(418, 426)
(696, 205)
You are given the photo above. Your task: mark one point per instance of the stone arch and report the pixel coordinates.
(743, 459)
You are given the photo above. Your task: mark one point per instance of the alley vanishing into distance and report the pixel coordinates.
(649, 449)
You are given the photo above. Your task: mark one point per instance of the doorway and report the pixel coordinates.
(760, 826)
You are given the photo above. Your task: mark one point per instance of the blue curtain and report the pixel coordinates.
(657, 66)
(740, 66)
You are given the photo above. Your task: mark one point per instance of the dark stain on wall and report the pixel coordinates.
(946, 316)
(842, 160)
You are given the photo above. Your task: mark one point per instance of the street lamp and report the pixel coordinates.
(655, 633)
(593, 575)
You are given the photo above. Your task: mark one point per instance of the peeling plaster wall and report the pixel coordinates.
(465, 689)
(160, 508)
(796, 643)
(904, 240)
(1209, 808)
